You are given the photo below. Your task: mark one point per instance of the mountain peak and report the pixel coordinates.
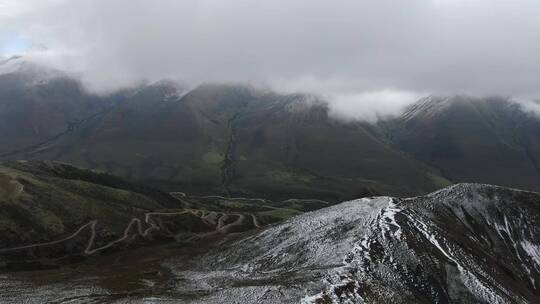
(432, 105)
(28, 69)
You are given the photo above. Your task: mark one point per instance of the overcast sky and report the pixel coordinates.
(339, 47)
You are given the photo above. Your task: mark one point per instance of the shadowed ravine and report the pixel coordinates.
(227, 170)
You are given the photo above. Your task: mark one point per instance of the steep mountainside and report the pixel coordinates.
(290, 143)
(160, 135)
(233, 140)
(38, 104)
(489, 140)
(468, 243)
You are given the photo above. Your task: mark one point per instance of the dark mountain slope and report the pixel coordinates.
(240, 141)
(236, 140)
(38, 104)
(290, 143)
(161, 135)
(487, 140)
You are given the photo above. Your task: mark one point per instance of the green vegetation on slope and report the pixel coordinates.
(53, 212)
(43, 201)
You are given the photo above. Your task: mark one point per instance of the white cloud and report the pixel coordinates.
(370, 106)
(528, 105)
(341, 48)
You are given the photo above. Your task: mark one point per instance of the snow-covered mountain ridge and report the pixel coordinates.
(468, 243)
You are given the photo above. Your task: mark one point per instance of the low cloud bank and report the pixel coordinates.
(371, 106)
(351, 51)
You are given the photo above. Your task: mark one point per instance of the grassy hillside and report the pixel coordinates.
(45, 200)
(54, 213)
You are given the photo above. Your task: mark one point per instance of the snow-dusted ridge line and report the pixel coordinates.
(533, 250)
(472, 282)
(405, 224)
(385, 224)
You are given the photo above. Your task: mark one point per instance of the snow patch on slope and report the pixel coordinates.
(471, 281)
(386, 226)
(532, 250)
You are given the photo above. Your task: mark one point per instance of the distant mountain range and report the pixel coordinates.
(237, 140)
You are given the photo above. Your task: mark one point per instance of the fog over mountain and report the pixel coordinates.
(369, 57)
(241, 151)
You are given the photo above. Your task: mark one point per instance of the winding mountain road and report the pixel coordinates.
(135, 228)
